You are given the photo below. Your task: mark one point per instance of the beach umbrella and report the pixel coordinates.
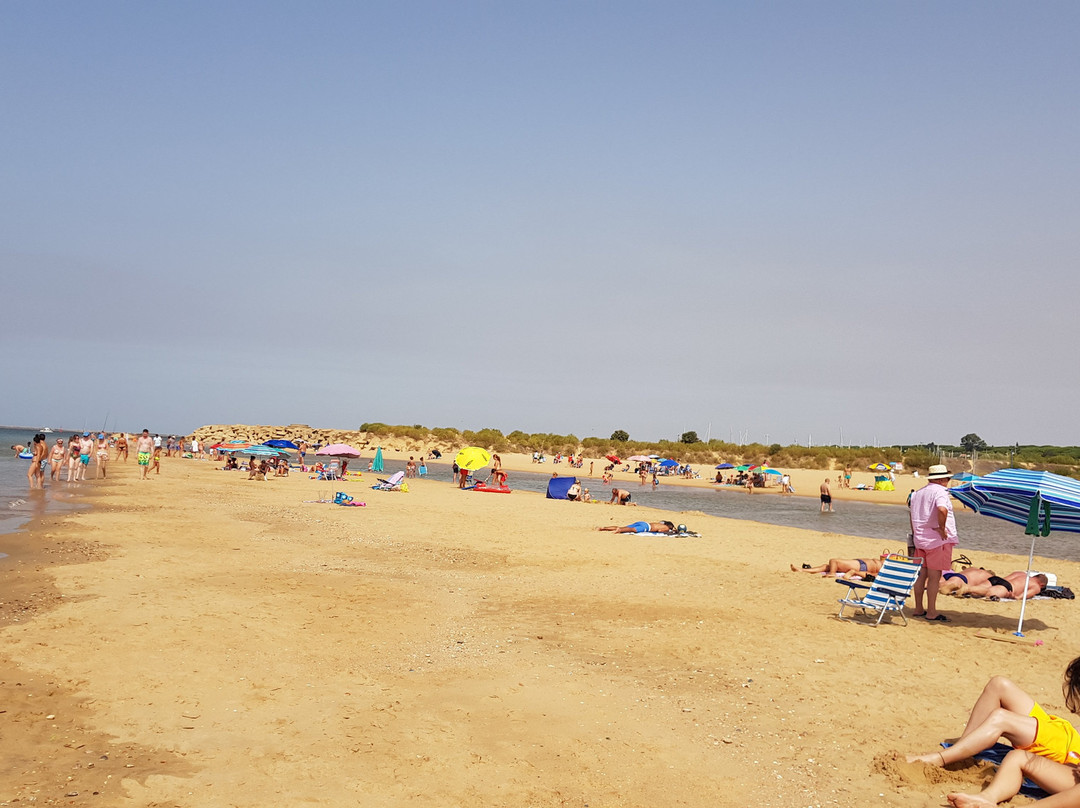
(473, 458)
(280, 444)
(339, 450)
(638, 459)
(613, 458)
(742, 468)
(666, 464)
(878, 467)
(964, 477)
(774, 472)
(257, 450)
(1040, 500)
(377, 463)
(725, 466)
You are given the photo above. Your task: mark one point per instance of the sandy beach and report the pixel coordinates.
(199, 640)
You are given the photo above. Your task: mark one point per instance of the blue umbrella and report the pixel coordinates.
(280, 444)
(1039, 500)
(668, 463)
(257, 450)
(377, 464)
(725, 466)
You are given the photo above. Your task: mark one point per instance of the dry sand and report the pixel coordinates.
(226, 643)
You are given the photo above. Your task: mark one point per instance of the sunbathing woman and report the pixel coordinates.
(1004, 710)
(850, 567)
(957, 583)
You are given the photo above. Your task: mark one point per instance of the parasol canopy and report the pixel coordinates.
(257, 450)
(1039, 500)
(638, 459)
(339, 450)
(725, 466)
(278, 443)
(473, 458)
(613, 458)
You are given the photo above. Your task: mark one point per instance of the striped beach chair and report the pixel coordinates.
(888, 591)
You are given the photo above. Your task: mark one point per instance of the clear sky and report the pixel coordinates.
(767, 220)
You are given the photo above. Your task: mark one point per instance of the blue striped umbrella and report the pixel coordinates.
(1040, 500)
(258, 450)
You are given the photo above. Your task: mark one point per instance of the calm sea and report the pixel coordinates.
(18, 504)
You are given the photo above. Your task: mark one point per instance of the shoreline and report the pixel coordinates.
(434, 648)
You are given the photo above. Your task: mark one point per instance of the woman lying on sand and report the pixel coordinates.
(850, 567)
(1004, 710)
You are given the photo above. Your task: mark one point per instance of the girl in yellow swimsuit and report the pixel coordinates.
(1004, 710)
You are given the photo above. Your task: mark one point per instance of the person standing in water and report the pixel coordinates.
(826, 497)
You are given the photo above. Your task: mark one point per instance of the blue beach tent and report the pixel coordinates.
(558, 486)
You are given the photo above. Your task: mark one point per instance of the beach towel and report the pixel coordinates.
(681, 535)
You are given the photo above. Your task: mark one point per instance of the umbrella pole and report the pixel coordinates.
(1023, 603)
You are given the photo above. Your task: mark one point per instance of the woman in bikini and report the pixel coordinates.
(73, 458)
(122, 447)
(1004, 710)
(102, 455)
(56, 458)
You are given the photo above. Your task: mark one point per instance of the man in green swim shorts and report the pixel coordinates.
(144, 445)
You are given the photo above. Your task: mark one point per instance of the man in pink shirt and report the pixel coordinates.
(933, 530)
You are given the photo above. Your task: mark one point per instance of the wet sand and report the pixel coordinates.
(205, 640)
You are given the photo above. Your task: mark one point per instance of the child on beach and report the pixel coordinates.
(1004, 710)
(1056, 778)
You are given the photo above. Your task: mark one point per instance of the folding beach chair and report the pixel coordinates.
(333, 471)
(888, 591)
(395, 483)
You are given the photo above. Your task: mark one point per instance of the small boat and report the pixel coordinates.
(45, 430)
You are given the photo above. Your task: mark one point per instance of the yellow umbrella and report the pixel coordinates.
(473, 458)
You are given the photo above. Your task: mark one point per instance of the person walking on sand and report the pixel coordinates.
(86, 448)
(122, 447)
(933, 531)
(56, 459)
(826, 497)
(73, 458)
(102, 458)
(144, 445)
(1003, 710)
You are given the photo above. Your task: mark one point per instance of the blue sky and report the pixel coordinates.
(780, 219)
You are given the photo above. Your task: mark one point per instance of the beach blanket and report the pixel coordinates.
(684, 535)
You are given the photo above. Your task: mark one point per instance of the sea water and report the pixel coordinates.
(18, 504)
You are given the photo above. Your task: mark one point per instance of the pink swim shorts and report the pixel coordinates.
(939, 559)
